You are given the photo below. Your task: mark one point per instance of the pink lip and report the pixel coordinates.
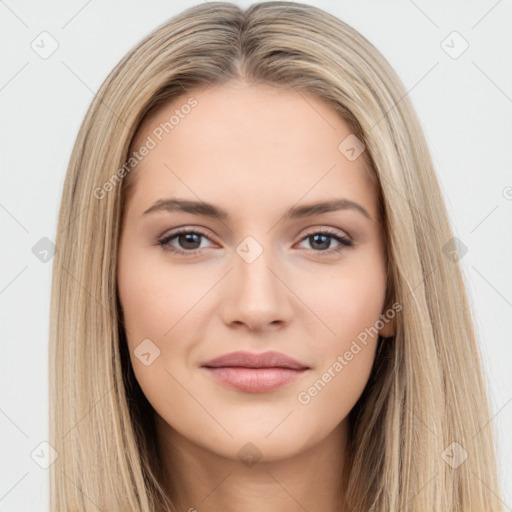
(254, 373)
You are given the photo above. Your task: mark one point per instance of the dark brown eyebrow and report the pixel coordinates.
(210, 210)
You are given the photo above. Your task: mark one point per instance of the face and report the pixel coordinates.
(267, 273)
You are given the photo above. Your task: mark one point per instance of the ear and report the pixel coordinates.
(388, 318)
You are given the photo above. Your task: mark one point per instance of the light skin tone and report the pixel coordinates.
(254, 152)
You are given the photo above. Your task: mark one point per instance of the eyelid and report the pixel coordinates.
(185, 230)
(327, 229)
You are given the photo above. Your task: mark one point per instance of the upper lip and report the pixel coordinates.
(245, 359)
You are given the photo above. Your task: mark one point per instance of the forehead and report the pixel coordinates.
(250, 140)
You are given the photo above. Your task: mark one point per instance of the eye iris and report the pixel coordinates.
(189, 238)
(324, 244)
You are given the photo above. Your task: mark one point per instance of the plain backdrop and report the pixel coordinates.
(454, 58)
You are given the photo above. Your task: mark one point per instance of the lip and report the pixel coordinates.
(255, 373)
(270, 359)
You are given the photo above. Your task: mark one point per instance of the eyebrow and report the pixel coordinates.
(295, 212)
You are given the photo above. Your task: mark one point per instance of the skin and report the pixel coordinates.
(253, 151)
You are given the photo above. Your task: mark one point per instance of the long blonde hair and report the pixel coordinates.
(426, 390)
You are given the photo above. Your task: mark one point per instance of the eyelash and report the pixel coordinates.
(344, 243)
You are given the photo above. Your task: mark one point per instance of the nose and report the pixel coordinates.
(257, 296)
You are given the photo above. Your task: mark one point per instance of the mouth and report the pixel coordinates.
(254, 380)
(255, 373)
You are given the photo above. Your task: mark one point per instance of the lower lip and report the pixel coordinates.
(254, 380)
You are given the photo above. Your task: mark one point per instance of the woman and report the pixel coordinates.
(256, 369)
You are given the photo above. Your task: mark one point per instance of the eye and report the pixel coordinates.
(189, 240)
(322, 241)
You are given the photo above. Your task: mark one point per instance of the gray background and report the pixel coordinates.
(464, 103)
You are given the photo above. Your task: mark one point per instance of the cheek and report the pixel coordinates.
(143, 301)
(151, 307)
(350, 306)
(337, 387)
(345, 357)
(154, 297)
(351, 303)
(160, 303)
